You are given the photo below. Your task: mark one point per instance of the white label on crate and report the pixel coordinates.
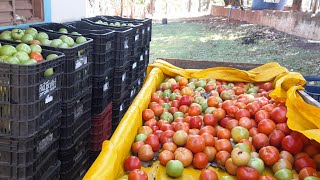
(123, 77)
(141, 57)
(126, 44)
(132, 92)
(136, 38)
(139, 82)
(108, 46)
(148, 28)
(78, 111)
(146, 52)
(48, 99)
(47, 86)
(81, 61)
(143, 31)
(121, 107)
(44, 142)
(106, 86)
(134, 65)
(76, 158)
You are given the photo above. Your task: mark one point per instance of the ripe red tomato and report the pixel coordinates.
(232, 110)
(195, 143)
(175, 103)
(260, 140)
(268, 107)
(266, 86)
(226, 104)
(223, 145)
(208, 129)
(231, 124)
(219, 113)
(242, 113)
(253, 108)
(208, 139)
(224, 134)
(136, 146)
(145, 153)
(153, 141)
(269, 155)
(246, 173)
(195, 122)
(165, 156)
(276, 137)
(208, 174)
(165, 127)
(137, 174)
(222, 157)
(172, 110)
(170, 146)
(36, 56)
(307, 171)
(161, 122)
(311, 150)
(194, 110)
(147, 114)
(209, 87)
(182, 126)
(241, 105)
(266, 126)
(253, 131)
(278, 114)
(303, 162)
(209, 119)
(213, 101)
(284, 128)
(157, 110)
(132, 163)
(184, 155)
(245, 122)
(223, 122)
(150, 123)
(184, 109)
(185, 100)
(266, 178)
(261, 115)
(155, 97)
(194, 131)
(200, 160)
(292, 144)
(166, 136)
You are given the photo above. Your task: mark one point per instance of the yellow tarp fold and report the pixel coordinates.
(302, 117)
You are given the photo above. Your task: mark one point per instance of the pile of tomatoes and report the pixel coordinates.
(235, 126)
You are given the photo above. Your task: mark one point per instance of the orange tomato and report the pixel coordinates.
(36, 56)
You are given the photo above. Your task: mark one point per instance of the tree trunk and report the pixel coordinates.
(207, 4)
(121, 9)
(189, 5)
(315, 5)
(199, 8)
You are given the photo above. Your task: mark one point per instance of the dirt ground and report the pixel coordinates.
(234, 41)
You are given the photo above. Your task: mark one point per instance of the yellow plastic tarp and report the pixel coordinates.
(302, 117)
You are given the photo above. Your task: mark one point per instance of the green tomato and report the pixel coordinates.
(51, 56)
(177, 114)
(48, 72)
(7, 50)
(257, 163)
(31, 31)
(174, 168)
(56, 42)
(42, 35)
(17, 34)
(63, 45)
(204, 106)
(21, 56)
(63, 30)
(283, 174)
(12, 60)
(45, 42)
(36, 48)
(63, 37)
(23, 47)
(75, 33)
(81, 40)
(6, 35)
(29, 62)
(69, 41)
(167, 117)
(140, 137)
(238, 133)
(27, 38)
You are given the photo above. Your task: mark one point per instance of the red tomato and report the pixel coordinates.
(158, 133)
(226, 104)
(208, 174)
(231, 124)
(155, 97)
(161, 122)
(165, 127)
(292, 144)
(266, 126)
(184, 155)
(241, 105)
(170, 146)
(261, 115)
(219, 113)
(200, 160)
(145, 153)
(36, 56)
(194, 131)
(253, 108)
(268, 107)
(269, 155)
(223, 145)
(182, 126)
(175, 103)
(184, 108)
(166, 136)
(276, 137)
(154, 128)
(303, 162)
(137, 175)
(172, 110)
(185, 100)
(278, 114)
(175, 86)
(222, 157)
(194, 110)
(132, 163)
(260, 140)
(195, 122)
(253, 131)
(157, 110)
(245, 122)
(208, 129)
(266, 178)
(284, 128)
(136, 146)
(267, 86)
(232, 110)
(209, 119)
(165, 156)
(150, 123)
(246, 173)
(311, 150)
(307, 171)
(153, 141)
(195, 143)
(213, 101)
(242, 113)
(208, 139)
(224, 134)
(225, 121)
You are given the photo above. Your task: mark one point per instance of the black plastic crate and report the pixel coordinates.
(122, 43)
(313, 87)
(73, 110)
(133, 70)
(99, 69)
(78, 170)
(53, 172)
(146, 31)
(121, 80)
(27, 158)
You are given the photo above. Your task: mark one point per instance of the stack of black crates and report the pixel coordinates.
(30, 108)
(75, 105)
